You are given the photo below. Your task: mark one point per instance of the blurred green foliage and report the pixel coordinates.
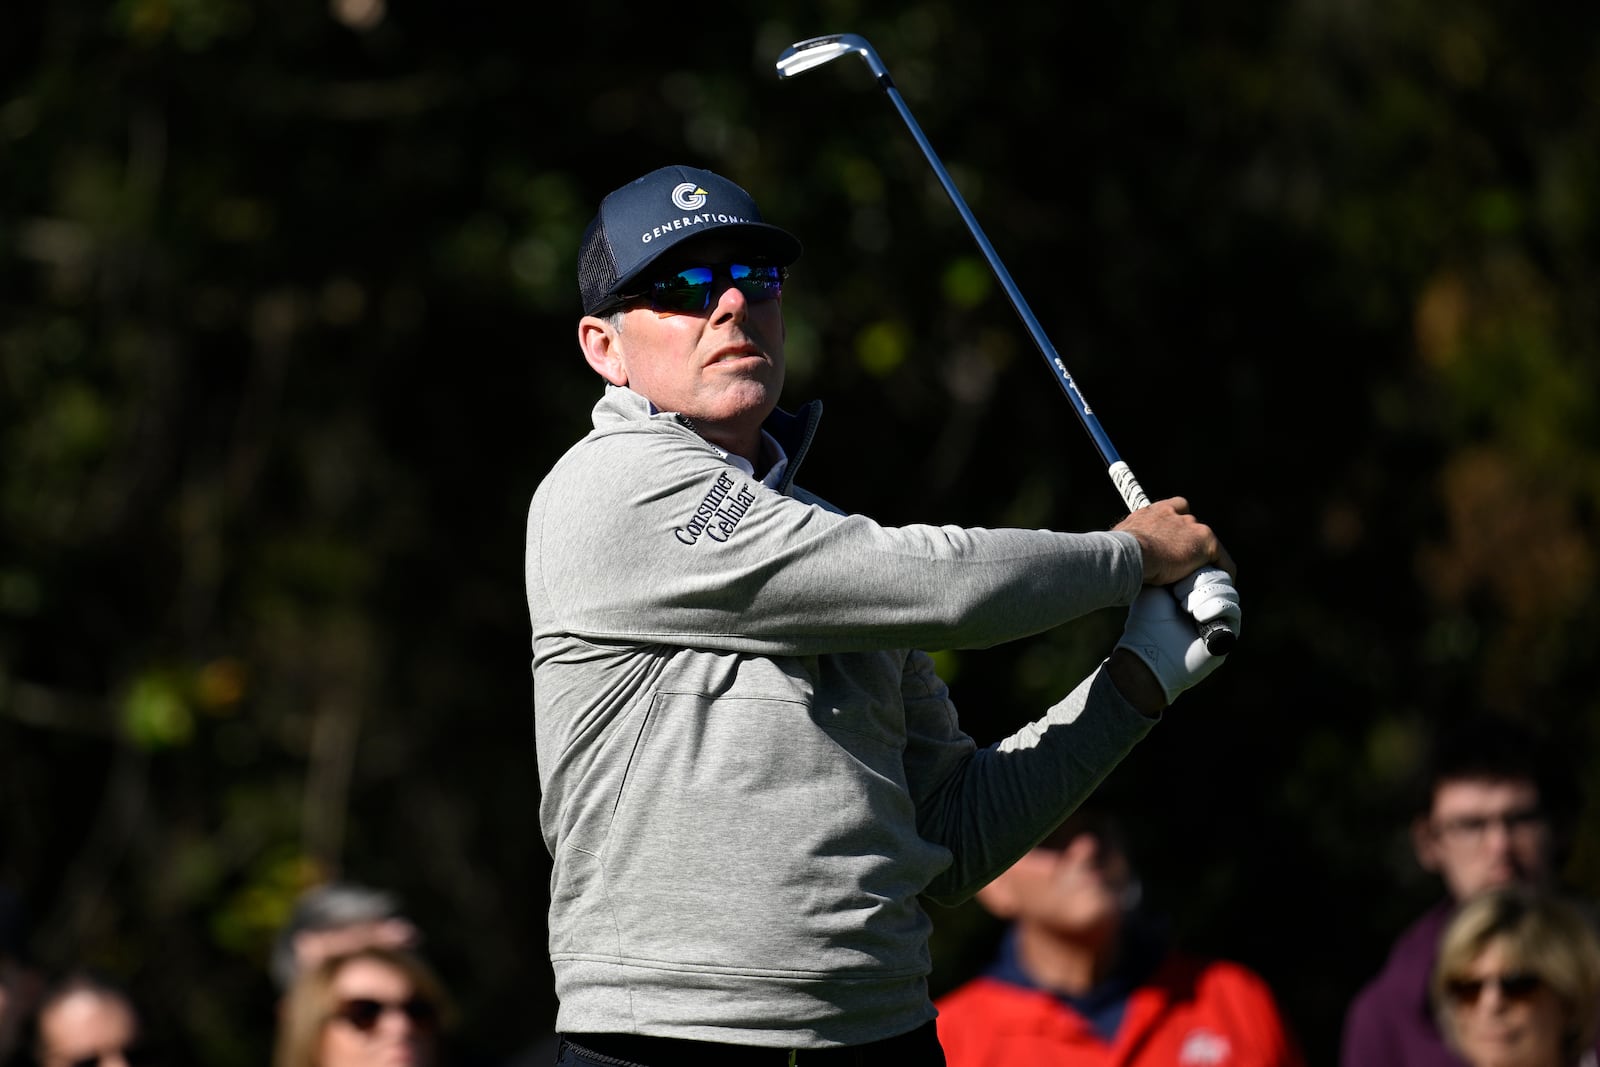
(286, 341)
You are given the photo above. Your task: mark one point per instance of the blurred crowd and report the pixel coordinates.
(1504, 971)
(354, 983)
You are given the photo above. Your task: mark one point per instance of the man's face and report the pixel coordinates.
(1079, 888)
(722, 367)
(1483, 833)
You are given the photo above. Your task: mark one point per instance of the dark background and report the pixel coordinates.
(287, 338)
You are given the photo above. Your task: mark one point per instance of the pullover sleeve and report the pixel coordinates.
(989, 806)
(646, 535)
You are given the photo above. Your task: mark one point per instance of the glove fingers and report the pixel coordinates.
(1209, 593)
(1162, 633)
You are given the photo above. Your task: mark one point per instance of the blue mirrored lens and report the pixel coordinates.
(691, 289)
(758, 283)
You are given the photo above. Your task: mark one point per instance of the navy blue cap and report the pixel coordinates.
(649, 216)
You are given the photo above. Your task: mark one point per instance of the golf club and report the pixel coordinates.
(1217, 634)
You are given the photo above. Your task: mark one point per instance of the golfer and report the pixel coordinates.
(750, 772)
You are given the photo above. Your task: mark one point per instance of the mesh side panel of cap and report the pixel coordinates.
(597, 269)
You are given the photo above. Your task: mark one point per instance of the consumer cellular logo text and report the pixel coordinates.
(719, 512)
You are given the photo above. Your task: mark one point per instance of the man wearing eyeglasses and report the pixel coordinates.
(1486, 818)
(750, 774)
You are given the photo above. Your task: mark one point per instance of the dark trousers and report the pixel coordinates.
(917, 1048)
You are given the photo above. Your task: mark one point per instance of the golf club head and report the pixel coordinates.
(815, 51)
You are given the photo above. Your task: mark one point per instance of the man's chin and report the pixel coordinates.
(749, 402)
(1500, 880)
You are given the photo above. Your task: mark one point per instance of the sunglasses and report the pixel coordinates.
(364, 1013)
(133, 1055)
(1516, 987)
(690, 289)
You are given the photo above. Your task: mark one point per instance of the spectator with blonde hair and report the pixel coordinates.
(1493, 807)
(374, 1005)
(1517, 983)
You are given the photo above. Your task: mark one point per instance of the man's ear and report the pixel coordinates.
(1424, 844)
(602, 348)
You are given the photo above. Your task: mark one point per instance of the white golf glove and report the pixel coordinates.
(1161, 631)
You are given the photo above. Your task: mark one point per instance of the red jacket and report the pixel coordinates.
(1189, 1013)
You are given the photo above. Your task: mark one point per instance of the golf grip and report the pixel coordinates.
(1217, 634)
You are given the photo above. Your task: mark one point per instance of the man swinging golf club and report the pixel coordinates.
(750, 771)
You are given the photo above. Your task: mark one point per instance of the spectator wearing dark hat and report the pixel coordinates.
(751, 775)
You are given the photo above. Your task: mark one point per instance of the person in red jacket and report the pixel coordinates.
(1085, 979)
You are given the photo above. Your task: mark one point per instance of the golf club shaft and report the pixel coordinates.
(1217, 634)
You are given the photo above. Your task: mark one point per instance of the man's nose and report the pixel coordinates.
(1493, 998)
(730, 302)
(1085, 846)
(1498, 834)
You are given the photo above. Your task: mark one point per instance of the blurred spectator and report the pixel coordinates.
(374, 1005)
(1491, 811)
(85, 1020)
(20, 982)
(1084, 978)
(331, 919)
(1517, 981)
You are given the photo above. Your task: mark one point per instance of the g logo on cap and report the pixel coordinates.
(689, 196)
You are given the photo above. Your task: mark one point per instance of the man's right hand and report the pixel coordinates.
(1174, 543)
